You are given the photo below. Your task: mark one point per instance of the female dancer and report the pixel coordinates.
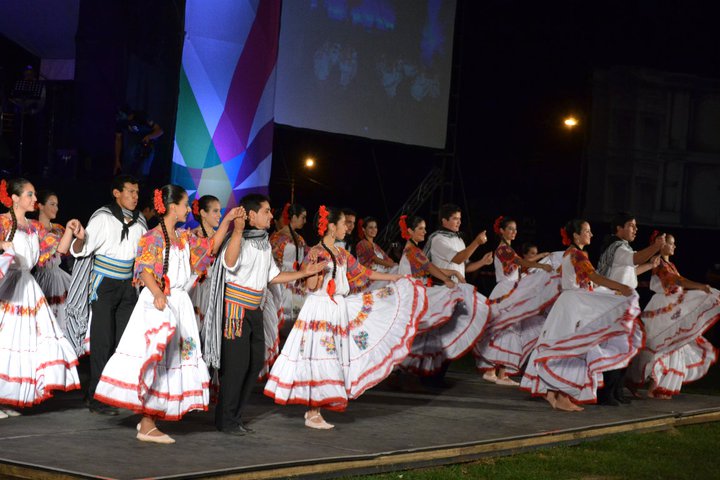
(517, 306)
(35, 357)
(288, 249)
(456, 315)
(589, 330)
(157, 369)
(342, 344)
(53, 280)
(206, 211)
(675, 319)
(369, 253)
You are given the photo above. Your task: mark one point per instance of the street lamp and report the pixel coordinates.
(570, 122)
(309, 163)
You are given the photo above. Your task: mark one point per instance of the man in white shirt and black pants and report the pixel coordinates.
(446, 249)
(234, 339)
(102, 278)
(621, 263)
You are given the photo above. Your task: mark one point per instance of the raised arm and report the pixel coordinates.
(463, 255)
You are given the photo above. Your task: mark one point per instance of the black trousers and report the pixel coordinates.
(110, 314)
(240, 363)
(613, 384)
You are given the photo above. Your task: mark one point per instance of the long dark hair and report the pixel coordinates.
(203, 204)
(15, 187)
(574, 226)
(334, 215)
(171, 194)
(295, 210)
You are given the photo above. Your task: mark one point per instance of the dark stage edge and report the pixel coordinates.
(386, 429)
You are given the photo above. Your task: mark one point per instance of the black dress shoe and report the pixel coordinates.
(623, 399)
(238, 430)
(610, 402)
(102, 409)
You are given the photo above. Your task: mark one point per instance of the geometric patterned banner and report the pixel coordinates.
(224, 134)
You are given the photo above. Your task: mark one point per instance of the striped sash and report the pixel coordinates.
(237, 300)
(109, 267)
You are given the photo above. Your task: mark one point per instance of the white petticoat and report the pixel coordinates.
(338, 349)
(157, 368)
(675, 351)
(54, 282)
(585, 334)
(455, 319)
(35, 357)
(517, 313)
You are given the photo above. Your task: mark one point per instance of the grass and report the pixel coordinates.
(682, 453)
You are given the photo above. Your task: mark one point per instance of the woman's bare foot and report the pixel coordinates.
(658, 396)
(551, 398)
(490, 376)
(314, 419)
(564, 403)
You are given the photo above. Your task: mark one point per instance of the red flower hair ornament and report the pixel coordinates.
(565, 238)
(496, 225)
(4, 197)
(286, 214)
(322, 220)
(653, 236)
(196, 208)
(403, 227)
(361, 229)
(158, 202)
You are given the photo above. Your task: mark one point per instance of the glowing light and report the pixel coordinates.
(571, 122)
(309, 162)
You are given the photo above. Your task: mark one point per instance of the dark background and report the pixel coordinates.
(519, 68)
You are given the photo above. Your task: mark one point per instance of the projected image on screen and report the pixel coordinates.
(371, 68)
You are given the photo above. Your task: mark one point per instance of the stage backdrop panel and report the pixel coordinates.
(372, 68)
(223, 140)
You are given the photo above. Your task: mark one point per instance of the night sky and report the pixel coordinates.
(522, 67)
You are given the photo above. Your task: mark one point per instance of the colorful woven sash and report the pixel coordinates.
(237, 300)
(109, 267)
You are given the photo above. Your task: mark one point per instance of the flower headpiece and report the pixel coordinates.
(158, 202)
(4, 197)
(496, 225)
(361, 230)
(286, 214)
(196, 208)
(565, 238)
(322, 220)
(403, 227)
(653, 236)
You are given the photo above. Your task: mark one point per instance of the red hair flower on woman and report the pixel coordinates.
(565, 238)
(653, 236)
(403, 227)
(4, 197)
(196, 208)
(496, 225)
(286, 214)
(322, 220)
(361, 229)
(158, 202)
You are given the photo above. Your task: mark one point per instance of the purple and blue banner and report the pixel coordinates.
(224, 134)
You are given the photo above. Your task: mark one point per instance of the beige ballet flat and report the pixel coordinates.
(317, 422)
(146, 437)
(11, 413)
(3, 415)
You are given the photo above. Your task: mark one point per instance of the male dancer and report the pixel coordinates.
(102, 278)
(446, 249)
(619, 262)
(239, 277)
(348, 243)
